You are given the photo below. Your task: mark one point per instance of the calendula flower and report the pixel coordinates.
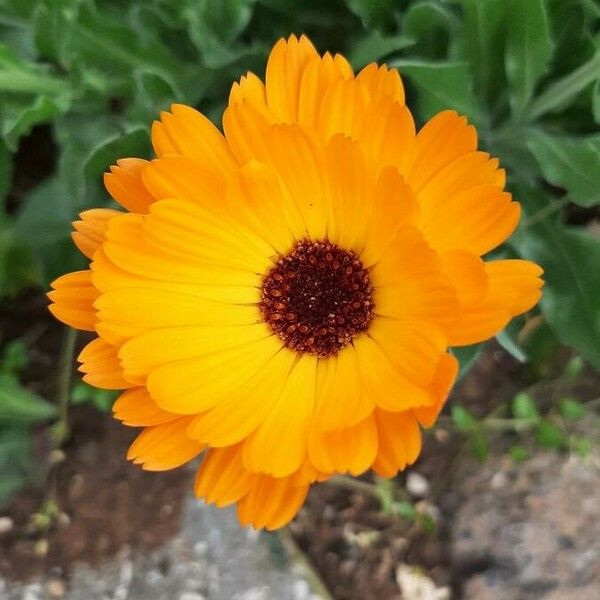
(282, 296)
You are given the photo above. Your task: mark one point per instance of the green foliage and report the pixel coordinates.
(19, 410)
(102, 400)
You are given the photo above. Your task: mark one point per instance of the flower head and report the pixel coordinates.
(283, 296)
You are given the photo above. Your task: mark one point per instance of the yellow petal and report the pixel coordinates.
(388, 135)
(124, 183)
(467, 274)
(245, 126)
(194, 385)
(343, 109)
(125, 313)
(136, 408)
(467, 171)
(349, 184)
(515, 283)
(409, 282)
(443, 380)
(341, 399)
(72, 300)
(296, 160)
(163, 447)
(262, 206)
(271, 503)
(352, 449)
(147, 351)
(90, 231)
(394, 204)
(100, 363)
(442, 139)
(251, 89)
(285, 67)
(319, 75)
(222, 478)
(399, 442)
(278, 446)
(477, 220)
(383, 383)
(127, 248)
(382, 82)
(413, 347)
(189, 133)
(242, 412)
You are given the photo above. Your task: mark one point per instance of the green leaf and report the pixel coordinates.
(441, 86)
(372, 13)
(580, 445)
(573, 369)
(596, 101)
(29, 96)
(511, 346)
(374, 46)
(431, 26)
(5, 173)
(570, 259)
(529, 48)
(559, 94)
(14, 459)
(214, 27)
(572, 164)
(18, 405)
(14, 357)
(550, 436)
(518, 454)
(571, 409)
(479, 446)
(463, 419)
(523, 407)
(484, 31)
(406, 510)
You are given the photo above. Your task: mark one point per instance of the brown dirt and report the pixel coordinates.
(105, 503)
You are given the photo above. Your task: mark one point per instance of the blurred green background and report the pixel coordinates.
(82, 80)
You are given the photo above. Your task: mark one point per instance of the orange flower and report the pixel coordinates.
(283, 296)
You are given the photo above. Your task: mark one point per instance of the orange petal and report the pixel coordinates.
(442, 139)
(467, 274)
(163, 447)
(136, 408)
(90, 231)
(394, 204)
(444, 378)
(382, 83)
(351, 449)
(278, 446)
(72, 299)
(271, 503)
(388, 135)
(477, 220)
(285, 67)
(250, 88)
(222, 478)
(399, 442)
(516, 284)
(341, 397)
(319, 75)
(189, 133)
(124, 183)
(343, 109)
(101, 366)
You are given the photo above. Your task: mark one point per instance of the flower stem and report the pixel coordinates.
(65, 372)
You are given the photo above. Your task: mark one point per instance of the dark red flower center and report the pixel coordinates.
(317, 298)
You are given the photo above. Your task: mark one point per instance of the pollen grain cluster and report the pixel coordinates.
(317, 298)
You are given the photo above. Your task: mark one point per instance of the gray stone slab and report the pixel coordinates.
(212, 558)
